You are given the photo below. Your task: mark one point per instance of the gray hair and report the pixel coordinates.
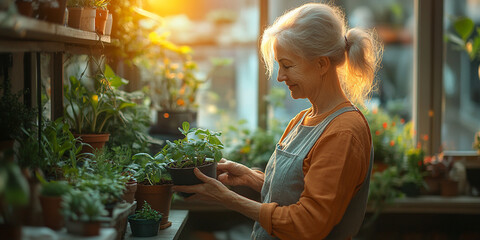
(317, 29)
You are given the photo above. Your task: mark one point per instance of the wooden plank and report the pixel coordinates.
(434, 204)
(17, 27)
(178, 219)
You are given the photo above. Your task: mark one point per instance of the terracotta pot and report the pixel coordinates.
(25, 8)
(432, 185)
(6, 149)
(97, 141)
(159, 197)
(130, 190)
(87, 20)
(52, 14)
(101, 20)
(108, 26)
(379, 167)
(52, 216)
(74, 16)
(83, 228)
(449, 188)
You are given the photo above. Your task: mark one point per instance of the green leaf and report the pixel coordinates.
(464, 27)
(186, 126)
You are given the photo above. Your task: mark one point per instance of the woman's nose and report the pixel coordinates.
(281, 77)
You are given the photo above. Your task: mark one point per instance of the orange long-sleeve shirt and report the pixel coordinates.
(333, 171)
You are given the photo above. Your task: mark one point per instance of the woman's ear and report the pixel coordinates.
(323, 64)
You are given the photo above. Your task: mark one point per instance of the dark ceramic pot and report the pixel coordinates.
(186, 176)
(142, 227)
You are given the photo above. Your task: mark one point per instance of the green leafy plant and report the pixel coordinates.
(251, 148)
(147, 213)
(14, 191)
(13, 113)
(199, 147)
(57, 149)
(83, 205)
(476, 142)
(151, 169)
(414, 169)
(55, 188)
(464, 38)
(90, 111)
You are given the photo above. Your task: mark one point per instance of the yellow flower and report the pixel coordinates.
(95, 98)
(469, 47)
(185, 50)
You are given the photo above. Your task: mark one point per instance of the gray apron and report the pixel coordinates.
(284, 178)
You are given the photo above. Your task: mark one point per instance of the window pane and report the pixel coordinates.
(394, 23)
(225, 31)
(461, 117)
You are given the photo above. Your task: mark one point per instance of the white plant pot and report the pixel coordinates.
(87, 22)
(108, 26)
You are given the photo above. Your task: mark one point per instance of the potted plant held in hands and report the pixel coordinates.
(154, 184)
(200, 148)
(145, 222)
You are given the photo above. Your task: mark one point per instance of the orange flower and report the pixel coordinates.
(393, 124)
(166, 115)
(425, 137)
(385, 125)
(402, 121)
(392, 143)
(377, 132)
(180, 102)
(375, 111)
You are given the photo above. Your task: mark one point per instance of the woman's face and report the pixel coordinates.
(301, 76)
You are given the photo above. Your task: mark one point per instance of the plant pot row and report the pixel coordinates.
(87, 19)
(90, 19)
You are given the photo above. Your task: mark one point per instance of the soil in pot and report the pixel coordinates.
(52, 216)
(186, 176)
(159, 197)
(143, 228)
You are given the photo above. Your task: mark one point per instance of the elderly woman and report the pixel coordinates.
(315, 185)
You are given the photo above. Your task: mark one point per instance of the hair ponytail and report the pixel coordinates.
(363, 55)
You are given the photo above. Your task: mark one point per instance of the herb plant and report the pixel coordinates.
(147, 213)
(197, 148)
(151, 170)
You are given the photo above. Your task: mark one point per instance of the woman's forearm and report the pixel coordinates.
(242, 205)
(256, 179)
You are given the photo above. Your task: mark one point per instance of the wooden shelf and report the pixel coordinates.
(434, 204)
(24, 31)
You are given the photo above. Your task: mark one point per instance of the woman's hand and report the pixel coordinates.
(213, 191)
(210, 190)
(236, 174)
